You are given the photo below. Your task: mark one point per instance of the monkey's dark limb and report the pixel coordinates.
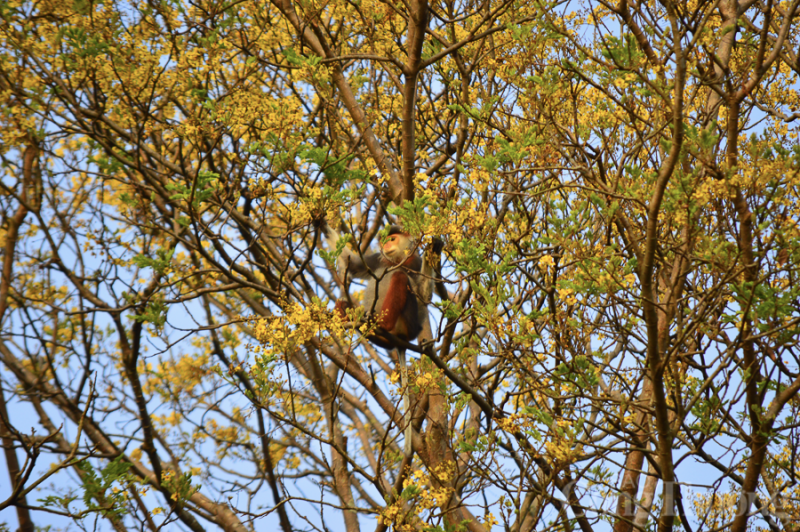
(391, 341)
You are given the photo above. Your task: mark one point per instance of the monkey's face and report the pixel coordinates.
(396, 248)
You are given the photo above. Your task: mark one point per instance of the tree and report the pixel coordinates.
(614, 343)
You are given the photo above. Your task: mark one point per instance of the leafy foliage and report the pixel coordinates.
(614, 336)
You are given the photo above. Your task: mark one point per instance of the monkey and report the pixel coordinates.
(399, 288)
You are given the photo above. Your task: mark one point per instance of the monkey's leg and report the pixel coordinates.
(401, 360)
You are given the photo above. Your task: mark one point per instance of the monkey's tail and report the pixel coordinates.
(401, 360)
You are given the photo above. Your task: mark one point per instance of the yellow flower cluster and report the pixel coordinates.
(563, 451)
(297, 326)
(190, 370)
(422, 493)
(716, 508)
(427, 380)
(567, 295)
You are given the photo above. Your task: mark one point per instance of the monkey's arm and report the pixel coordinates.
(425, 280)
(350, 262)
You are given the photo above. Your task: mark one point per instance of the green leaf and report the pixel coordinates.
(158, 264)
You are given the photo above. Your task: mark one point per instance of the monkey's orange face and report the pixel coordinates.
(396, 247)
